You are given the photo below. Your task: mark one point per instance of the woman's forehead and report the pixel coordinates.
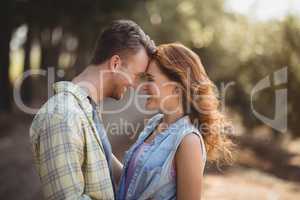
(153, 67)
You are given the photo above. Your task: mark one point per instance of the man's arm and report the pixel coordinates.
(59, 153)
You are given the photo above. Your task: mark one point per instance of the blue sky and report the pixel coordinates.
(264, 9)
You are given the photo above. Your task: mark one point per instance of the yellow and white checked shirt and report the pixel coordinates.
(67, 150)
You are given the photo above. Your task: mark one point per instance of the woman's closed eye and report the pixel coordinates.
(146, 77)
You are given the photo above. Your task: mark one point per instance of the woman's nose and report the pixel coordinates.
(145, 89)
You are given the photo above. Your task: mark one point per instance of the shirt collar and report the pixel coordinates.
(182, 122)
(67, 86)
(79, 93)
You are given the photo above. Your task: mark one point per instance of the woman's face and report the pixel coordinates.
(161, 91)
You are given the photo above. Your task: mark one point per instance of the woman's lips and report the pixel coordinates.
(149, 99)
(147, 95)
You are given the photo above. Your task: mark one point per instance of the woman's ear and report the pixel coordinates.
(115, 63)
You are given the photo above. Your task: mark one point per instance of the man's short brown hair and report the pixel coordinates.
(122, 37)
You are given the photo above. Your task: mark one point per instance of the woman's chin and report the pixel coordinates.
(150, 106)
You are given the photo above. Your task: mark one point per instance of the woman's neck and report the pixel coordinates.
(171, 118)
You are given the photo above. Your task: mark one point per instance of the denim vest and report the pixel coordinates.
(152, 177)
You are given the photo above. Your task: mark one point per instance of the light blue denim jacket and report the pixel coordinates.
(152, 177)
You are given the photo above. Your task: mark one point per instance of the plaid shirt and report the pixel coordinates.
(67, 150)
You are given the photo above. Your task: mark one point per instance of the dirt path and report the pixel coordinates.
(249, 184)
(18, 178)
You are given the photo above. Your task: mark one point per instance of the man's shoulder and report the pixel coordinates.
(61, 104)
(60, 108)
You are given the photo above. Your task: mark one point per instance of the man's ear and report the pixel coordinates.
(115, 63)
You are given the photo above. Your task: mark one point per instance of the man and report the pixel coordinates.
(71, 150)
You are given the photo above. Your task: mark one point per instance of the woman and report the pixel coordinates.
(168, 159)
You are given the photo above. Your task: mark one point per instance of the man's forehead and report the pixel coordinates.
(148, 64)
(141, 55)
(144, 76)
(139, 61)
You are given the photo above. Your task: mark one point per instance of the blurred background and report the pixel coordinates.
(240, 44)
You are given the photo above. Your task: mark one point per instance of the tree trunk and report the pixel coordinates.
(50, 52)
(6, 29)
(27, 85)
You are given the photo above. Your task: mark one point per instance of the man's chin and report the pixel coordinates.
(118, 97)
(150, 107)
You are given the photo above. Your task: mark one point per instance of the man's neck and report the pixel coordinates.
(92, 80)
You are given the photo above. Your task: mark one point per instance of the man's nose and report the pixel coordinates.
(135, 83)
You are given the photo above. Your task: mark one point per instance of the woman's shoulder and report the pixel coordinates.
(194, 140)
(192, 136)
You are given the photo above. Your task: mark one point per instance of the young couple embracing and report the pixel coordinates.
(72, 153)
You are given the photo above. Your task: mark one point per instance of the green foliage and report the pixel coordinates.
(232, 47)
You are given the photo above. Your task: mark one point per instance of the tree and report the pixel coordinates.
(6, 28)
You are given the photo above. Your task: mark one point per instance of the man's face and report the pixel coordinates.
(128, 76)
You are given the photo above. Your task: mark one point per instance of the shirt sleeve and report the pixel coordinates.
(58, 153)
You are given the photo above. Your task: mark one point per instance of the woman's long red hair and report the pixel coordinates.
(200, 102)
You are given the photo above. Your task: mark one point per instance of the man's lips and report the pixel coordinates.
(124, 90)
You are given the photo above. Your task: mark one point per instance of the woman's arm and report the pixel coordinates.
(117, 168)
(189, 168)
